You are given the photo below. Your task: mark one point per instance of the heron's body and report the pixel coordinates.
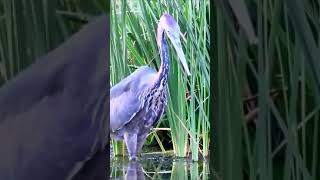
(134, 92)
(138, 101)
(144, 109)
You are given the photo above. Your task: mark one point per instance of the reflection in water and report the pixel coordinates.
(163, 168)
(134, 171)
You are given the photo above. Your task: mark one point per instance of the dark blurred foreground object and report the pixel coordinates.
(96, 168)
(53, 115)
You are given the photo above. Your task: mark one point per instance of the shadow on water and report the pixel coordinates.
(158, 167)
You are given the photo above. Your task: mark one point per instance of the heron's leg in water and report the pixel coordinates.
(141, 140)
(131, 142)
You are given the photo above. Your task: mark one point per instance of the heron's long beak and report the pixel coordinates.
(177, 45)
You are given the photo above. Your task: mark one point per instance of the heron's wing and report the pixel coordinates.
(125, 97)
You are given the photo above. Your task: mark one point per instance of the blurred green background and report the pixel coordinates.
(31, 28)
(266, 88)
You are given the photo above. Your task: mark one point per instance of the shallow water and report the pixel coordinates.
(158, 167)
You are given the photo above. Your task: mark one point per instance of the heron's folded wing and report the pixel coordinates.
(125, 97)
(122, 108)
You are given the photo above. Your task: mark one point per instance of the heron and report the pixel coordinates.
(138, 101)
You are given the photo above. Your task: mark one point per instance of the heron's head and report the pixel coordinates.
(169, 25)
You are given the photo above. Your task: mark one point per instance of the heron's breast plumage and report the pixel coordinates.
(156, 102)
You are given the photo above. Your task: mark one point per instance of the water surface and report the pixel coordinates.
(158, 167)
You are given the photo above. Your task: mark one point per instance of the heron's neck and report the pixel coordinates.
(164, 50)
(164, 67)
